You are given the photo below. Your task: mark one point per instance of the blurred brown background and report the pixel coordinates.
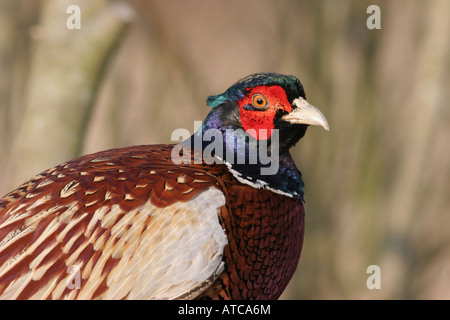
(377, 184)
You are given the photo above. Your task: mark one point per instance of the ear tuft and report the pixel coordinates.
(217, 100)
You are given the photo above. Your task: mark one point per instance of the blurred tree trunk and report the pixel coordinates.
(386, 93)
(7, 49)
(67, 66)
(16, 18)
(405, 201)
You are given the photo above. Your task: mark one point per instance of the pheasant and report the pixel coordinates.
(217, 216)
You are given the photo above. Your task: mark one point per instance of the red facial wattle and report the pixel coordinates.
(259, 121)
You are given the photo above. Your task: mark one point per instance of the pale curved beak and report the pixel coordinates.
(306, 113)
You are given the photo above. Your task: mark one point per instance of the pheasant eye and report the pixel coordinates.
(259, 101)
